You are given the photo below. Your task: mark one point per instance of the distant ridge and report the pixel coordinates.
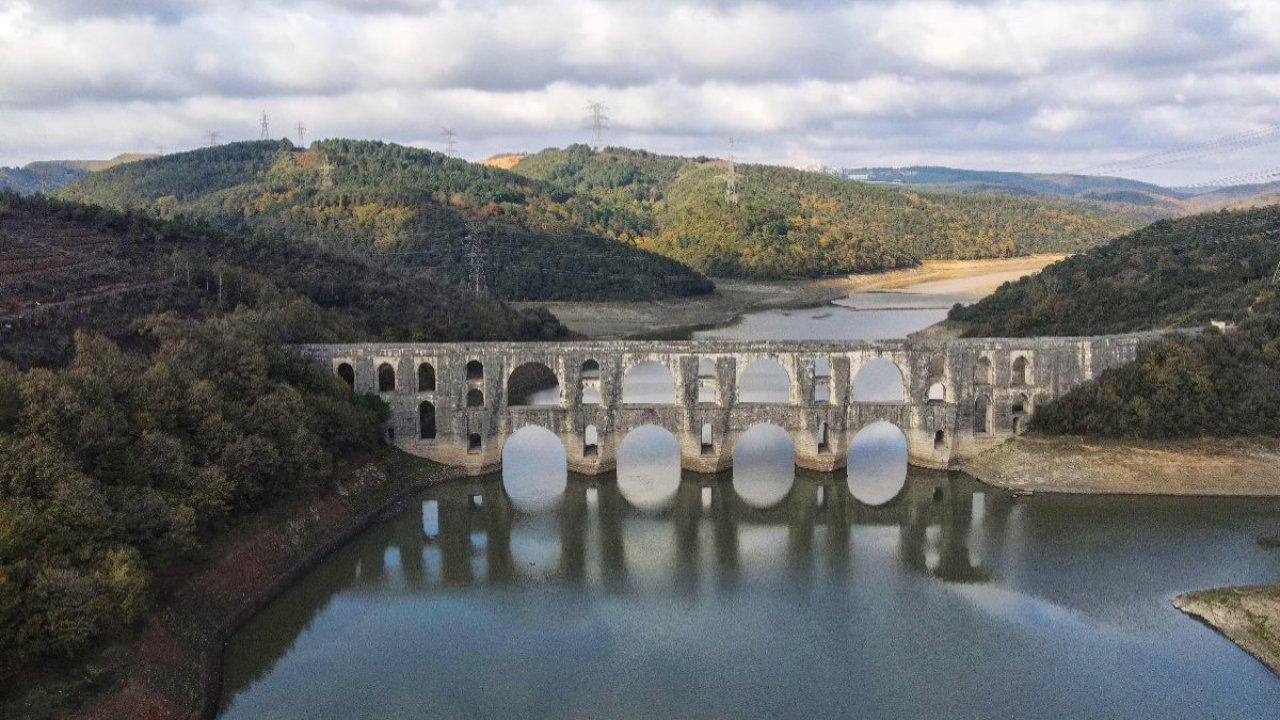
(49, 175)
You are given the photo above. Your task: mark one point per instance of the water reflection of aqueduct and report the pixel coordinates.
(458, 403)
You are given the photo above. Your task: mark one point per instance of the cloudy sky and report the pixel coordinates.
(1026, 85)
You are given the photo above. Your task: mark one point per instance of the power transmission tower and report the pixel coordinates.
(731, 174)
(302, 134)
(264, 125)
(450, 141)
(599, 123)
(212, 136)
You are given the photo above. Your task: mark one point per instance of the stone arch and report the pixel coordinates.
(426, 420)
(589, 382)
(821, 379)
(426, 377)
(475, 397)
(879, 380)
(937, 393)
(982, 371)
(708, 388)
(939, 440)
(590, 442)
(764, 380)
(475, 370)
(707, 439)
(386, 377)
(937, 366)
(1021, 404)
(1018, 371)
(982, 414)
(763, 465)
(877, 463)
(534, 475)
(648, 467)
(824, 437)
(648, 383)
(533, 383)
(347, 374)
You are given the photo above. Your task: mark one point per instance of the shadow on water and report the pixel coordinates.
(477, 532)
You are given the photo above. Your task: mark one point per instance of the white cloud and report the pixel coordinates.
(1034, 84)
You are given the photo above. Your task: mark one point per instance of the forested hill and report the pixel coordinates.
(1212, 266)
(414, 208)
(66, 266)
(794, 223)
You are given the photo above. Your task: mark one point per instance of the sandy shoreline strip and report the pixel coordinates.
(732, 298)
(1197, 467)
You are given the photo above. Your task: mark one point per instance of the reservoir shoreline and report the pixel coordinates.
(735, 297)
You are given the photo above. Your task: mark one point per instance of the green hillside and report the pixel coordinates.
(1173, 272)
(49, 175)
(1116, 192)
(794, 223)
(412, 208)
(65, 266)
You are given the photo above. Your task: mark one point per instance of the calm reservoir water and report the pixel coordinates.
(763, 593)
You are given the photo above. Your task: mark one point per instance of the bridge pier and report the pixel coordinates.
(458, 403)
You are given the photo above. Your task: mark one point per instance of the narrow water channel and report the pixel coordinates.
(766, 592)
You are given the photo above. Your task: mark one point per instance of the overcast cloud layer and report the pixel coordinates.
(1027, 85)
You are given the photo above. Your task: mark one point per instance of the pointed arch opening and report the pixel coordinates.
(347, 374)
(648, 383)
(764, 465)
(475, 397)
(649, 467)
(475, 370)
(590, 442)
(1019, 371)
(426, 377)
(822, 380)
(426, 421)
(982, 414)
(764, 380)
(532, 384)
(877, 463)
(879, 380)
(937, 393)
(535, 468)
(982, 371)
(589, 388)
(386, 378)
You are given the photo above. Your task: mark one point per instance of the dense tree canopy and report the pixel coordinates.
(412, 208)
(794, 223)
(135, 425)
(1173, 273)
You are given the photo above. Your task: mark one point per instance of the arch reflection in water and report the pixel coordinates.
(877, 463)
(376, 603)
(649, 467)
(534, 469)
(763, 465)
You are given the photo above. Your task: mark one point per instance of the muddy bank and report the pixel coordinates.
(732, 298)
(1249, 616)
(1066, 464)
(171, 666)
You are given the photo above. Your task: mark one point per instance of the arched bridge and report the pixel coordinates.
(457, 403)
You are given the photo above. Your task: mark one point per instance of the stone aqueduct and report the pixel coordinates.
(453, 403)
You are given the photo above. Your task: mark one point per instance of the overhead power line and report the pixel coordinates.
(1223, 144)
